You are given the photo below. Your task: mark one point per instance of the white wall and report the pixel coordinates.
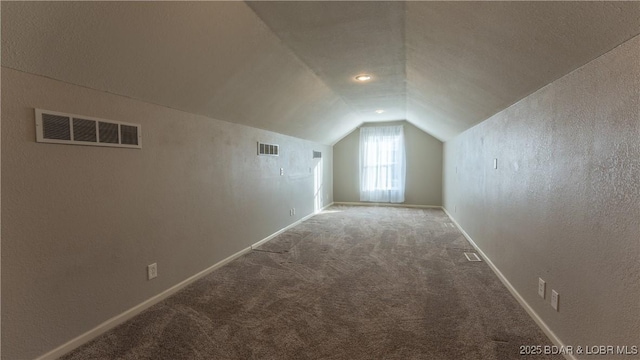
(80, 224)
(424, 166)
(564, 203)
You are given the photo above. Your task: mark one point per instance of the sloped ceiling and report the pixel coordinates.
(289, 67)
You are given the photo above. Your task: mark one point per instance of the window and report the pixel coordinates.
(382, 164)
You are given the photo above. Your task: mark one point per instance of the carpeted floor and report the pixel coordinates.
(350, 283)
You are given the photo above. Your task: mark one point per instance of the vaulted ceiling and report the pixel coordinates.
(289, 66)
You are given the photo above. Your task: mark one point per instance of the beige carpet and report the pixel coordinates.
(350, 283)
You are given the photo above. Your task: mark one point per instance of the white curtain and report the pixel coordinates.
(382, 164)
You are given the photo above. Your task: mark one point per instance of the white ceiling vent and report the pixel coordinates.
(317, 155)
(60, 128)
(268, 149)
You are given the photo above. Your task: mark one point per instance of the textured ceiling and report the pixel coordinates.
(289, 66)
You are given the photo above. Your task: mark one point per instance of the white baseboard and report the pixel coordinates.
(128, 314)
(543, 326)
(288, 227)
(386, 204)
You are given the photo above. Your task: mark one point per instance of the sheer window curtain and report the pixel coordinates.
(382, 164)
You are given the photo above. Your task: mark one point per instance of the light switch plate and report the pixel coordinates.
(554, 299)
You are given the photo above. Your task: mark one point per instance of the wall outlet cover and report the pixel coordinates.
(541, 287)
(554, 299)
(152, 271)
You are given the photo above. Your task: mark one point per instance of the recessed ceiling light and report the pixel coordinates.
(379, 111)
(363, 77)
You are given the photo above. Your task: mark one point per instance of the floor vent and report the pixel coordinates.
(60, 128)
(268, 149)
(472, 257)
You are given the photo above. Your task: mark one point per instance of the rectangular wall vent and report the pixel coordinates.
(317, 154)
(268, 149)
(60, 128)
(472, 256)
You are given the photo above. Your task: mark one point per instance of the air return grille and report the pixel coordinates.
(56, 127)
(60, 128)
(84, 130)
(317, 155)
(268, 149)
(108, 132)
(129, 134)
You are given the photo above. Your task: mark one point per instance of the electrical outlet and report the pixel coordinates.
(495, 163)
(281, 171)
(152, 271)
(294, 211)
(554, 299)
(541, 287)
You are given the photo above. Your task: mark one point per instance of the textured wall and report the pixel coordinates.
(564, 203)
(424, 167)
(80, 224)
